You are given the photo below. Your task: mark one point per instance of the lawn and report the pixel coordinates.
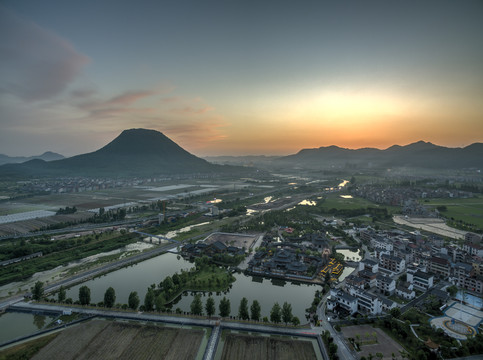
(467, 210)
(335, 200)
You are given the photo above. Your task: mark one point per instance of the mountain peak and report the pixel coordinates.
(142, 141)
(135, 152)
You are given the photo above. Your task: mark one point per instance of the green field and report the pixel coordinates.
(335, 201)
(467, 210)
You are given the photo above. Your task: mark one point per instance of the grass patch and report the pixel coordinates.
(207, 278)
(64, 251)
(27, 349)
(469, 211)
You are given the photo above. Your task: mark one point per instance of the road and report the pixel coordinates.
(342, 350)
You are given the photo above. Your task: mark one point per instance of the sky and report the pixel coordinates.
(240, 77)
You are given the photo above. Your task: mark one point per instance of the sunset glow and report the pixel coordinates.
(243, 78)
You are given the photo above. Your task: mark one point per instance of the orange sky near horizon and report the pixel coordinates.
(240, 78)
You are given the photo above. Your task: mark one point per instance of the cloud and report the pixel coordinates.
(129, 97)
(191, 110)
(35, 64)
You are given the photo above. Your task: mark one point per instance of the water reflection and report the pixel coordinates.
(15, 324)
(172, 234)
(266, 291)
(39, 321)
(307, 202)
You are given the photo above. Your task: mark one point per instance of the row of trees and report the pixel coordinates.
(277, 314)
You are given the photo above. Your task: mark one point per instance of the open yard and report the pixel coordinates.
(240, 241)
(372, 341)
(244, 346)
(100, 339)
(434, 225)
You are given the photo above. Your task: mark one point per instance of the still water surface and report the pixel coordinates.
(15, 324)
(140, 276)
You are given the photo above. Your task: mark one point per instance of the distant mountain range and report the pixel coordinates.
(417, 155)
(135, 152)
(141, 152)
(46, 156)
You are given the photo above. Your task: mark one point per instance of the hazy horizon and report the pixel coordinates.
(248, 78)
(246, 155)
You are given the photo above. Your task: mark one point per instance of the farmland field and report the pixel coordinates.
(467, 210)
(335, 200)
(244, 346)
(100, 339)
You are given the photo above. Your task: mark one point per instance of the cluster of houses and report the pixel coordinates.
(285, 260)
(397, 196)
(422, 260)
(462, 264)
(216, 248)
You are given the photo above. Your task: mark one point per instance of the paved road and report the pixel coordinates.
(342, 350)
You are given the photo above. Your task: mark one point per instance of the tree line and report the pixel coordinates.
(278, 314)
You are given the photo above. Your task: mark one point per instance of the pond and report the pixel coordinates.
(140, 276)
(265, 291)
(307, 202)
(16, 324)
(137, 277)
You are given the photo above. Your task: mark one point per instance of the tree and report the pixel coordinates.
(159, 303)
(61, 295)
(197, 305)
(255, 310)
(38, 290)
(287, 312)
(224, 307)
(84, 295)
(275, 313)
(395, 312)
(243, 309)
(110, 297)
(452, 290)
(168, 284)
(295, 321)
(133, 301)
(149, 300)
(332, 349)
(210, 306)
(176, 279)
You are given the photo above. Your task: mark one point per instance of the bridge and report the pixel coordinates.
(160, 237)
